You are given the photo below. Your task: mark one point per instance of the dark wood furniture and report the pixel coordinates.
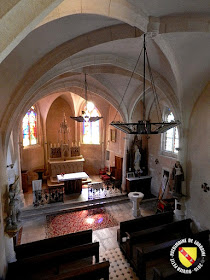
(55, 262)
(164, 270)
(141, 224)
(167, 272)
(73, 186)
(93, 272)
(71, 256)
(24, 178)
(118, 168)
(53, 244)
(155, 235)
(139, 184)
(40, 172)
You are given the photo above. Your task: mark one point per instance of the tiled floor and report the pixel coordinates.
(34, 229)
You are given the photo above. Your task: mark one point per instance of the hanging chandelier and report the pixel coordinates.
(85, 116)
(145, 126)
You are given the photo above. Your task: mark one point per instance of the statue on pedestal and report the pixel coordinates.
(13, 221)
(137, 160)
(178, 177)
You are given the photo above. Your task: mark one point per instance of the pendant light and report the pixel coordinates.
(145, 126)
(85, 116)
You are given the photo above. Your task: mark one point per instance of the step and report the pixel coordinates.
(61, 207)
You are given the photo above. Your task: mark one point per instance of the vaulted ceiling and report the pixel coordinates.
(47, 47)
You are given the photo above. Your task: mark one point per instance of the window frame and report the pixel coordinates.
(33, 108)
(91, 123)
(174, 152)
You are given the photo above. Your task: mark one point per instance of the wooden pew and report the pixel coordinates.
(46, 265)
(154, 235)
(160, 253)
(141, 224)
(167, 272)
(53, 244)
(93, 272)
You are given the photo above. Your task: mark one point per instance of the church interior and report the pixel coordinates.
(89, 189)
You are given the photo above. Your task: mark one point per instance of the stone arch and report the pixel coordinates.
(59, 86)
(63, 52)
(123, 11)
(94, 60)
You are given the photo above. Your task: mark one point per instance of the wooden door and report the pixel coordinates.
(118, 168)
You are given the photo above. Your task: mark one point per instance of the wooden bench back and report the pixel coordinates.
(146, 222)
(93, 272)
(54, 262)
(53, 244)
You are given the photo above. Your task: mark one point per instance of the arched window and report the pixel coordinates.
(91, 133)
(171, 136)
(29, 127)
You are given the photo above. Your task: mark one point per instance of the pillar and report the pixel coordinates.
(128, 139)
(7, 253)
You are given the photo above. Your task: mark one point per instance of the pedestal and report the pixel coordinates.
(136, 198)
(179, 208)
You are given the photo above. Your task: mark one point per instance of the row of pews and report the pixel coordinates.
(146, 243)
(71, 256)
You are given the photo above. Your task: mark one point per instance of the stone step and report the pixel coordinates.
(61, 207)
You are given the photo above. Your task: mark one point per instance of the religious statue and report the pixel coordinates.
(137, 159)
(178, 177)
(14, 207)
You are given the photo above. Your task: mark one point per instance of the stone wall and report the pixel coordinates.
(55, 117)
(114, 148)
(93, 155)
(164, 163)
(198, 206)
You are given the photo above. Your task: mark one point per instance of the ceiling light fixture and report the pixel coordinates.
(85, 117)
(145, 126)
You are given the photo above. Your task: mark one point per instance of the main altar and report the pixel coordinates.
(64, 157)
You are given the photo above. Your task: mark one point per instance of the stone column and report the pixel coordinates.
(15, 151)
(180, 208)
(7, 253)
(128, 140)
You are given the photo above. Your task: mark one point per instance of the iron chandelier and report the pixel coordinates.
(85, 117)
(145, 126)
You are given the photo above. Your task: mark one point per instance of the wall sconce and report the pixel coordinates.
(205, 187)
(156, 161)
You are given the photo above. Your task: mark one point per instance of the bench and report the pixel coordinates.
(160, 253)
(154, 235)
(167, 272)
(53, 263)
(53, 244)
(141, 224)
(93, 272)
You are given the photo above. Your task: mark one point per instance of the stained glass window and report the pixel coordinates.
(91, 129)
(171, 136)
(29, 126)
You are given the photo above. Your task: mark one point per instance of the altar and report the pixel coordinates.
(65, 166)
(72, 181)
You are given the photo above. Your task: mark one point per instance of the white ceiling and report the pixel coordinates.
(159, 8)
(179, 60)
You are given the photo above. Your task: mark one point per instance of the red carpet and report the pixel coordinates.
(94, 219)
